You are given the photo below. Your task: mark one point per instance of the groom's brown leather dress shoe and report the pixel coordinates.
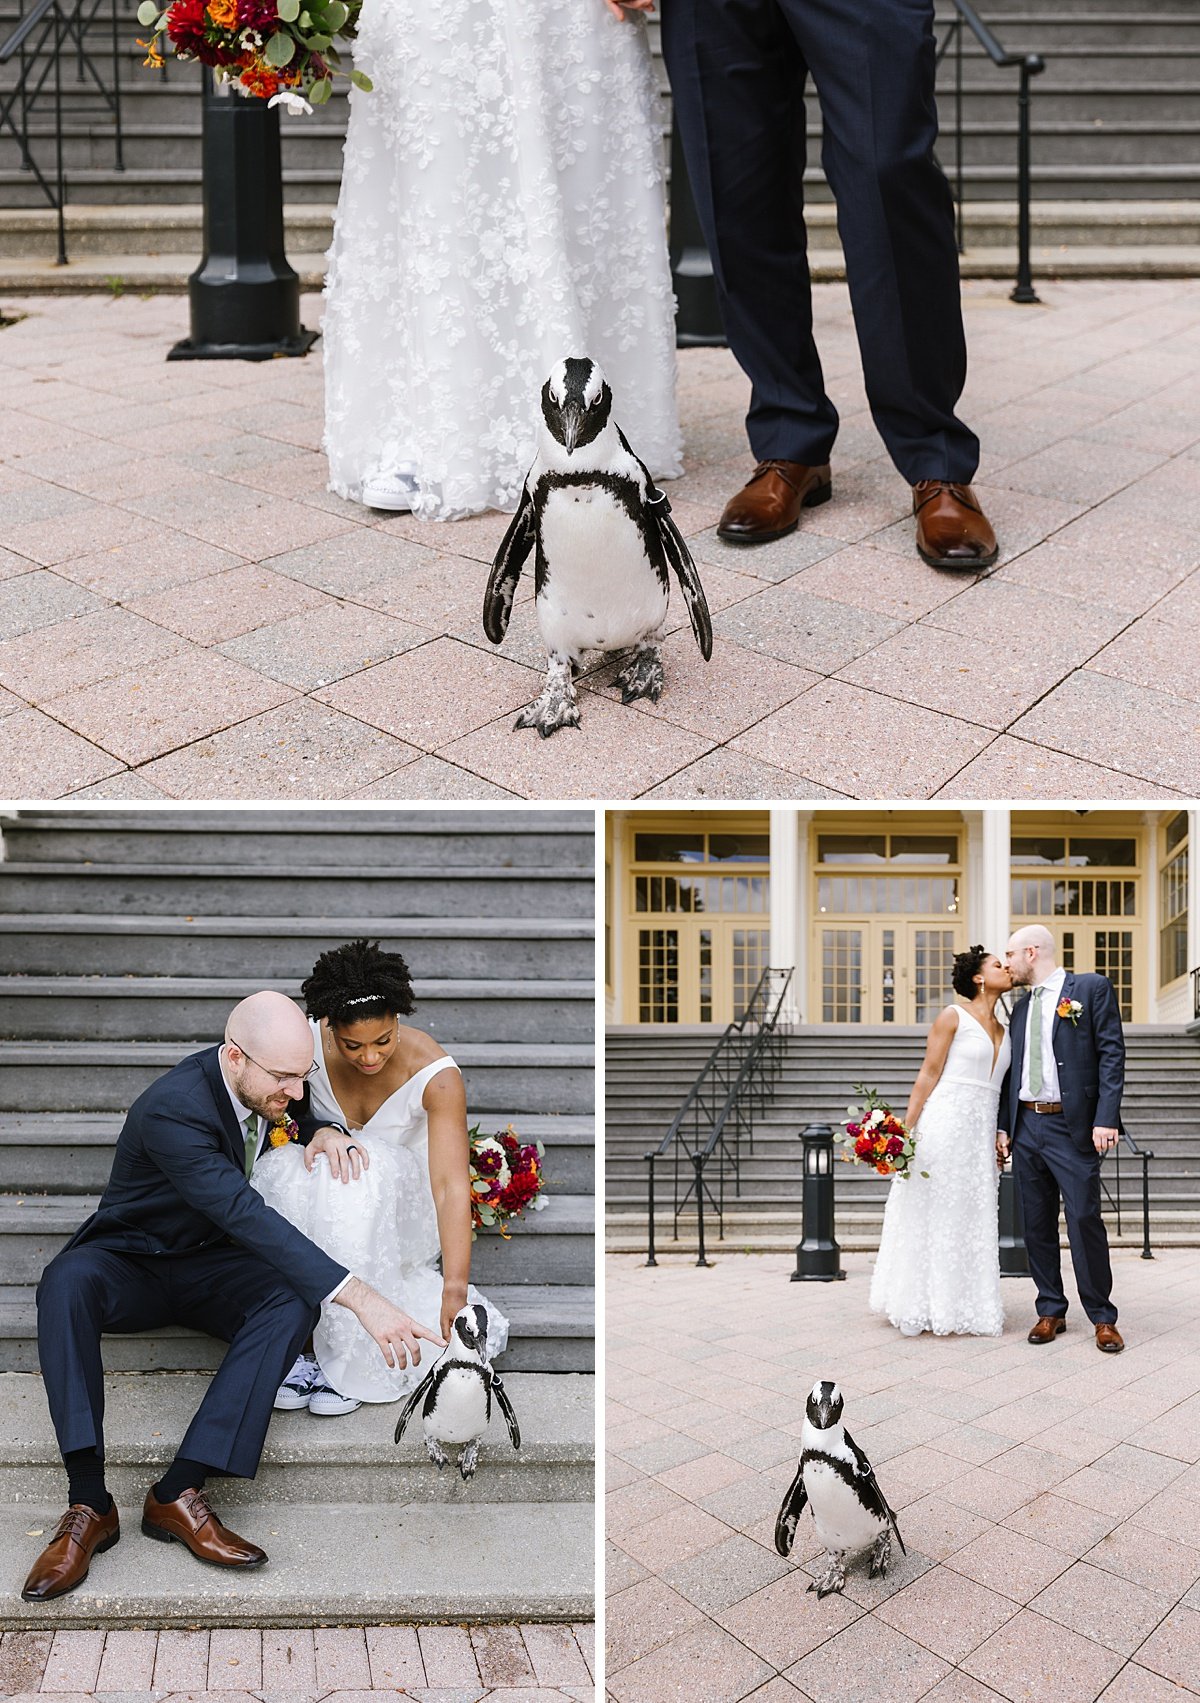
(768, 505)
(191, 1521)
(1047, 1329)
(63, 1564)
(952, 529)
(1109, 1339)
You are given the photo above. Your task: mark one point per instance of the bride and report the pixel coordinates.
(401, 1193)
(501, 207)
(939, 1263)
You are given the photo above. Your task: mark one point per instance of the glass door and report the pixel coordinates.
(881, 971)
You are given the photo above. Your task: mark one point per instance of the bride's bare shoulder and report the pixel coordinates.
(419, 1048)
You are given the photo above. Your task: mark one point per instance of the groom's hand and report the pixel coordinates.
(398, 1336)
(346, 1157)
(1103, 1139)
(618, 8)
(1002, 1147)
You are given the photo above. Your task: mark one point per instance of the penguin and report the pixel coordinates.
(604, 548)
(837, 1480)
(458, 1390)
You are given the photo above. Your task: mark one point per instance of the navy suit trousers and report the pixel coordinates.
(738, 70)
(1048, 1164)
(227, 1291)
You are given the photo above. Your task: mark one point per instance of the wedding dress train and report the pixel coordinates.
(938, 1267)
(383, 1227)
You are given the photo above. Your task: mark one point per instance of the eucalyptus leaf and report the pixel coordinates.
(287, 11)
(336, 15)
(306, 20)
(147, 12)
(321, 91)
(317, 43)
(279, 49)
(361, 81)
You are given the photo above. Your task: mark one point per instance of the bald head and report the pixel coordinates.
(1030, 955)
(267, 1037)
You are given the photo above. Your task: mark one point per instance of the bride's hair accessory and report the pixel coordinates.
(349, 979)
(967, 966)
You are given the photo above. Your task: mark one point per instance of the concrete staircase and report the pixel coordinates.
(648, 1072)
(125, 936)
(1116, 170)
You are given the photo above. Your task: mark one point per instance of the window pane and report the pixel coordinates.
(851, 848)
(1039, 851)
(1176, 830)
(668, 848)
(1104, 853)
(739, 848)
(924, 848)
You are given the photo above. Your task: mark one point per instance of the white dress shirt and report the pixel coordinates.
(1051, 994)
(241, 1113)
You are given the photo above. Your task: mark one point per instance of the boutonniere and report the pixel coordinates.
(283, 1131)
(1070, 1010)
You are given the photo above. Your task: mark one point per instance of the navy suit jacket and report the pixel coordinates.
(178, 1182)
(1089, 1053)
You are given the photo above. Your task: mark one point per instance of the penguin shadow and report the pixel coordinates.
(837, 1482)
(455, 1397)
(604, 549)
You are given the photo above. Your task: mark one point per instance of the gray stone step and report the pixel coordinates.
(552, 1329)
(555, 1245)
(308, 1460)
(99, 1077)
(71, 1153)
(186, 1007)
(557, 947)
(355, 838)
(253, 890)
(340, 1564)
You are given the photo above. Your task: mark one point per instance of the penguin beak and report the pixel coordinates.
(824, 1413)
(572, 420)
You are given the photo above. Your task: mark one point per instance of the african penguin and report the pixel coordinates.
(604, 547)
(457, 1391)
(836, 1479)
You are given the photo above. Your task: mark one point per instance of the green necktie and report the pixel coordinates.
(251, 1141)
(1035, 1043)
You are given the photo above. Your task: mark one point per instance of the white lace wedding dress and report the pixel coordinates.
(383, 1227)
(501, 207)
(939, 1261)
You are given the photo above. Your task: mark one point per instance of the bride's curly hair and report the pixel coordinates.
(358, 980)
(967, 966)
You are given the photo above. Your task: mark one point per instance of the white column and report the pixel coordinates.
(995, 912)
(1150, 865)
(1193, 891)
(785, 853)
(616, 910)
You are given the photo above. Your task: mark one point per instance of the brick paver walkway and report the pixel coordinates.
(442, 1664)
(1049, 1497)
(186, 613)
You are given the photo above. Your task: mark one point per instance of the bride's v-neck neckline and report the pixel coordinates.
(996, 1050)
(333, 1095)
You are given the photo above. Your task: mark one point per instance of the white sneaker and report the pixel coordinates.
(294, 1391)
(326, 1402)
(396, 489)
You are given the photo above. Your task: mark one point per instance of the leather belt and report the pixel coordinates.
(1043, 1105)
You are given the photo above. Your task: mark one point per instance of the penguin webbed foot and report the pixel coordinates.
(436, 1453)
(831, 1578)
(556, 706)
(642, 675)
(467, 1460)
(881, 1554)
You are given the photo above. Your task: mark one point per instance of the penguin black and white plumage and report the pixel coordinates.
(838, 1483)
(455, 1395)
(604, 548)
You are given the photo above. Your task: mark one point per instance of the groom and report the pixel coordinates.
(1062, 1102)
(181, 1237)
(737, 70)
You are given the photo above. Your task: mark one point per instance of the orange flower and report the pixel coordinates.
(223, 13)
(260, 82)
(153, 54)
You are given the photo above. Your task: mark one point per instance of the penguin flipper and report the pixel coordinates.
(506, 569)
(410, 1406)
(869, 1486)
(679, 560)
(790, 1511)
(506, 1408)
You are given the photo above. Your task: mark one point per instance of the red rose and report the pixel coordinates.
(895, 1147)
(854, 1130)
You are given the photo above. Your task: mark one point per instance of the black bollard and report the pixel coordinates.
(818, 1257)
(1014, 1260)
(697, 317)
(244, 296)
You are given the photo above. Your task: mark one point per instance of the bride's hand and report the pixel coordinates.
(1002, 1148)
(618, 8)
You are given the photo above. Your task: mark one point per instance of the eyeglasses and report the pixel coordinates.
(281, 1076)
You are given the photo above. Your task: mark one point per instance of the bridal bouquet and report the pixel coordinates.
(506, 1178)
(280, 50)
(875, 1136)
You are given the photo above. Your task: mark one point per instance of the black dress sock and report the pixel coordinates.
(181, 1475)
(85, 1479)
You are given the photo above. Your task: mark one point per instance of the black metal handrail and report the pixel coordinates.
(48, 32)
(1196, 993)
(735, 1083)
(1145, 1155)
(1028, 65)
